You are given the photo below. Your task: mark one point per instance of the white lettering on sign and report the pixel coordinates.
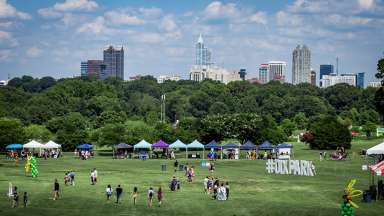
(290, 167)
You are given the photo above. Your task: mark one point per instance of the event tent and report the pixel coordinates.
(284, 150)
(230, 146)
(248, 145)
(143, 145)
(14, 146)
(33, 144)
(122, 146)
(196, 145)
(51, 145)
(266, 146)
(378, 168)
(160, 144)
(213, 145)
(84, 146)
(177, 144)
(376, 150)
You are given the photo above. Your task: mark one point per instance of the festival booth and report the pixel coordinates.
(120, 151)
(32, 146)
(143, 147)
(52, 149)
(377, 154)
(284, 151)
(14, 151)
(378, 168)
(231, 151)
(251, 150)
(163, 147)
(268, 150)
(85, 151)
(195, 145)
(214, 147)
(178, 145)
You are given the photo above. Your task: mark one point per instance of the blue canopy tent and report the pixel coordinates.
(230, 146)
(213, 145)
(143, 145)
(121, 150)
(196, 145)
(14, 146)
(266, 146)
(178, 145)
(248, 145)
(84, 146)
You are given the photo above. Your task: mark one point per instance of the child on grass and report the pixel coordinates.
(150, 197)
(159, 196)
(135, 195)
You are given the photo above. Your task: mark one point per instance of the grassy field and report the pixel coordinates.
(253, 191)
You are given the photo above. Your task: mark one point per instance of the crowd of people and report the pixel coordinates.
(23, 154)
(215, 189)
(83, 154)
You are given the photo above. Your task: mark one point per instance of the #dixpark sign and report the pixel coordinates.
(291, 167)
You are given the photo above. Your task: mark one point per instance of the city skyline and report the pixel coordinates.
(42, 36)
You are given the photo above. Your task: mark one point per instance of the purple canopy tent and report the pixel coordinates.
(160, 144)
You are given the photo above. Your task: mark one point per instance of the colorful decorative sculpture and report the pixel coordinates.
(34, 171)
(348, 205)
(28, 165)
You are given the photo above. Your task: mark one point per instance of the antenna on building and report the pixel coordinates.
(337, 65)
(9, 76)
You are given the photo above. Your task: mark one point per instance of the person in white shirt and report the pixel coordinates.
(206, 184)
(109, 192)
(221, 193)
(94, 176)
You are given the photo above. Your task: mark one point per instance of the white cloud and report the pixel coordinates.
(367, 4)
(6, 24)
(49, 13)
(33, 52)
(8, 11)
(168, 23)
(149, 37)
(259, 18)
(151, 12)
(76, 5)
(219, 10)
(97, 27)
(287, 19)
(346, 21)
(7, 39)
(123, 18)
(5, 55)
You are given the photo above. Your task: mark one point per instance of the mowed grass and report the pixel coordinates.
(253, 191)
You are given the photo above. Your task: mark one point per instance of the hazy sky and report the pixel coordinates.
(52, 37)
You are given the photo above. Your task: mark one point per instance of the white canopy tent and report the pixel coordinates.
(51, 145)
(196, 145)
(143, 145)
(178, 144)
(376, 150)
(33, 145)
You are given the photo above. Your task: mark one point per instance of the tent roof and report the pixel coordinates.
(33, 144)
(14, 146)
(143, 144)
(230, 146)
(266, 145)
(248, 145)
(160, 144)
(123, 146)
(195, 144)
(284, 145)
(52, 144)
(177, 144)
(377, 149)
(85, 146)
(213, 144)
(379, 165)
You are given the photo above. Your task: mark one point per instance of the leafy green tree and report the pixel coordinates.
(301, 121)
(380, 70)
(369, 128)
(11, 131)
(110, 117)
(111, 134)
(328, 133)
(38, 132)
(218, 108)
(288, 127)
(138, 130)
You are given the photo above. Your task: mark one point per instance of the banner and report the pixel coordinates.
(291, 167)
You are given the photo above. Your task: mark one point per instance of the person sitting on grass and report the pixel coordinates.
(159, 196)
(150, 197)
(135, 194)
(119, 192)
(25, 199)
(109, 192)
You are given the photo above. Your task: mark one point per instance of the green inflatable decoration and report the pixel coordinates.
(346, 209)
(34, 171)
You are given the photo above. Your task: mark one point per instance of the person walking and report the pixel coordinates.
(109, 192)
(15, 195)
(205, 183)
(159, 196)
(175, 165)
(119, 192)
(227, 189)
(135, 194)
(150, 196)
(221, 193)
(25, 199)
(94, 176)
(56, 188)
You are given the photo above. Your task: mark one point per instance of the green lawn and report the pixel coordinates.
(253, 191)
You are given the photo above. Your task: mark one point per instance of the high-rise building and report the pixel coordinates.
(333, 79)
(374, 84)
(360, 80)
(301, 65)
(325, 69)
(313, 77)
(242, 73)
(263, 73)
(163, 78)
(96, 69)
(277, 70)
(203, 55)
(200, 73)
(84, 69)
(114, 62)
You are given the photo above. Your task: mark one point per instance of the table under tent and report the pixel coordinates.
(32, 146)
(266, 150)
(194, 149)
(53, 149)
(14, 151)
(178, 145)
(376, 156)
(85, 151)
(142, 149)
(214, 147)
(230, 151)
(284, 151)
(251, 150)
(163, 147)
(122, 151)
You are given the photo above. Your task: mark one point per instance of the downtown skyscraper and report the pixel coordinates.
(114, 62)
(301, 65)
(203, 55)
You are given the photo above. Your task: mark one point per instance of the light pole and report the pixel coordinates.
(162, 114)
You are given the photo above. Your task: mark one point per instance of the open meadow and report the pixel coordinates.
(253, 191)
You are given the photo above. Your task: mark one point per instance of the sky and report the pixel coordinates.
(51, 37)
